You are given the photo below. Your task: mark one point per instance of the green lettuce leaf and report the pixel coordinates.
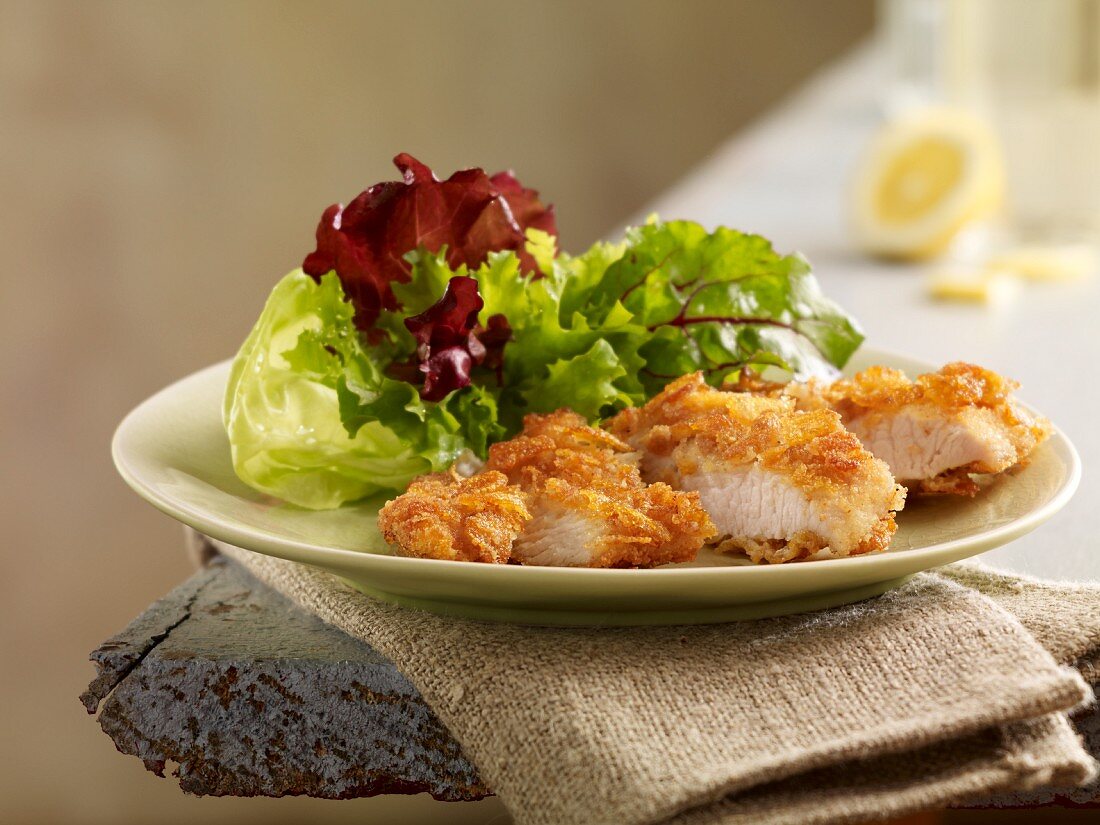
(312, 418)
(578, 276)
(542, 247)
(503, 288)
(551, 343)
(319, 413)
(719, 301)
(585, 381)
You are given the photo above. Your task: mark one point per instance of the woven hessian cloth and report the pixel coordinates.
(955, 685)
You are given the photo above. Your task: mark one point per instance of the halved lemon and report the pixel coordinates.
(923, 178)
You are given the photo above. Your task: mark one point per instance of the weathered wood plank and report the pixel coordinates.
(250, 695)
(116, 657)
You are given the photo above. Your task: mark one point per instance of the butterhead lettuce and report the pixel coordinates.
(313, 420)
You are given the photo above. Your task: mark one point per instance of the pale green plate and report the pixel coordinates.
(173, 451)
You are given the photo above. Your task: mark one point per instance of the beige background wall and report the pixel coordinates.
(163, 163)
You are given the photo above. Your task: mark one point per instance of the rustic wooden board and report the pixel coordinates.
(248, 695)
(251, 696)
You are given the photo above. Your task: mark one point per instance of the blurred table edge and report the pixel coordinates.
(249, 695)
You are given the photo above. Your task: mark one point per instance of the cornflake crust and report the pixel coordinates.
(560, 493)
(934, 431)
(780, 485)
(446, 516)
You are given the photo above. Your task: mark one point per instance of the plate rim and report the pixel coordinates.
(346, 559)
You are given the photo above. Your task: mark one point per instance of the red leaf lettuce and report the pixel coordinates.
(446, 345)
(470, 213)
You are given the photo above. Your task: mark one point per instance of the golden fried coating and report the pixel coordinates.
(687, 398)
(735, 428)
(813, 448)
(591, 507)
(955, 386)
(805, 545)
(561, 445)
(560, 493)
(682, 517)
(568, 429)
(781, 485)
(589, 527)
(933, 431)
(446, 516)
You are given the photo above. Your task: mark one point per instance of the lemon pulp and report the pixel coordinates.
(918, 179)
(923, 178)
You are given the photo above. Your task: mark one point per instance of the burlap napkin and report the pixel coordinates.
(929, 695)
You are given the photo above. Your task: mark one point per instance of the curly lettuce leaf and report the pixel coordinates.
(474, 415)
(547, 341)
(578, 276)
(501, 283)
(586, 381)
(503, 287)
(524, 323)
(719, 301)
(541, 247)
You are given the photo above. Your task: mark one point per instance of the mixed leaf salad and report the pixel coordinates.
(433, 315)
